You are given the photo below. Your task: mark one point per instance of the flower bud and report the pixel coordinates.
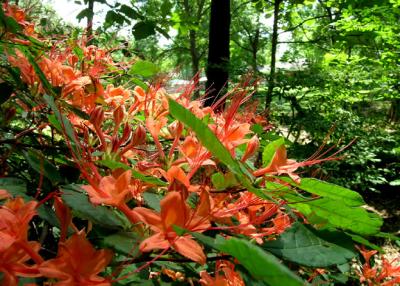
(139, 136)
(126, 133)
(97, 116)
(119, 114)
(251, 148)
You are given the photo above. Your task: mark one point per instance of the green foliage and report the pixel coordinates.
(260, 264)
(74, 197)
(306, 246)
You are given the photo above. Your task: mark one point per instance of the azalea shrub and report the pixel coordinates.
(106, 184)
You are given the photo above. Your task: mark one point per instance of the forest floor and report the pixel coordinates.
(387, 204)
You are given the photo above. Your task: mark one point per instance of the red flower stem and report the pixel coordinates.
(130, 214)
(142, 267)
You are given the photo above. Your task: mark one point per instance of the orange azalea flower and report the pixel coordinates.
(110, 191)
(174, 211)
(225, 275)
(113, 192)
(116, 95)
(15, 216)
(195, 153)
(231, 135)
(280, 164)
(77, 263)
(13, 263)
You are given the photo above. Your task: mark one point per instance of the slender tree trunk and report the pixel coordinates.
(254, 46)
(218, 50)
(274, 44)
(194, 54)
(394, 111)
(89, 27)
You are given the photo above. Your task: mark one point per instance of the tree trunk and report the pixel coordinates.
(218, 51)
(254, 47)
(89, 27)
(394, 111)
(274, 44)
(195, 60)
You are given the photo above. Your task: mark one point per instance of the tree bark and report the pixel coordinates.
(394, 111)
(218, 51)
(89, 27)
(274, 44)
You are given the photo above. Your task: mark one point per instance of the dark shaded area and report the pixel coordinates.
(218, 52)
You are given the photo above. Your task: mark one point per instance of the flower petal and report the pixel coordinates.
(156, 241)
(190, 249)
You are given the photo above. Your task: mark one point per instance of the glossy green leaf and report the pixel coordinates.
(42, 166)
(64, 124)
(223, 181)
(126, 243)
(14, 186)
(79, 203)
(144, 69)
(129, 12)
(143, 29)
(270, 150)
(336, 214)
(328, 190)
(306, 246)
(114, 18)
(259, 263)
(152, 200)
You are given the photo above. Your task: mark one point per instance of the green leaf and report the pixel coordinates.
(395, 183)
(85, 13)
(143, 29)
(16, 187)
(111, 164)
(166, 7)
(337, 214)
(114, 18)
(152, 200)
(42, 166)
(260, 264)
(144, 69)
(270, 150)
(79, 203)
(362, 240)
(223, 181)
(126, 243)
(64, 124)
(9, 22)
(78, 52)
(129, 12)
(206, 240)
(306, 246)
(328, 190)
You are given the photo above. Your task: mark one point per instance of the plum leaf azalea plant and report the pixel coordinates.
(105, 184)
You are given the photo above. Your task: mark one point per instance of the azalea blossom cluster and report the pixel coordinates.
(126, 145)
(124, 125)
